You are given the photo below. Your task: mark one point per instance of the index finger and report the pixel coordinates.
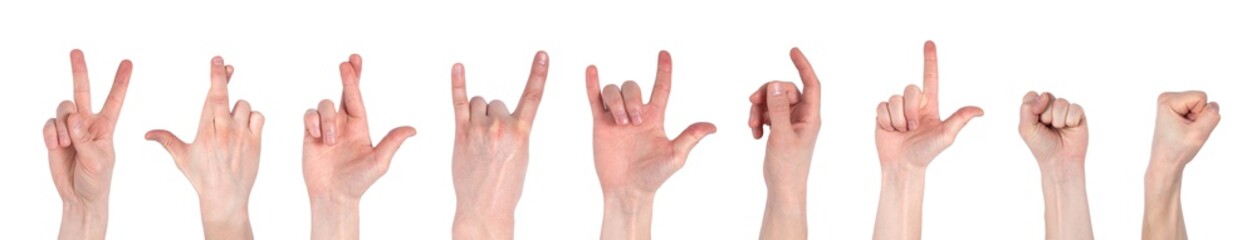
(352, 96)
(663, 80)
(531, 98)
(82, 87)
(811, 85)
(931, 72)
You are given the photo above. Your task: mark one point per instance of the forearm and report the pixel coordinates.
(1066, 212)
(84, 221)
(229, 221)
(626, 215)
(477, 223)
(785, 216)
(333, 218)
(899, 209)
(1163, 210)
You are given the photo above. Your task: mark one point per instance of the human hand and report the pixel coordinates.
(789, 153)
(1056, 132)
(910, 132)
(632, 154)
(909, 135)
(222, 162)
(338, 160)
(81, 154)
(1184, 122)
(1054, 129)
(491, 155)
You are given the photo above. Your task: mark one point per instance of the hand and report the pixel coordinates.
(909, 135)
(632, 154)
(910, 132)
(338, 160)
(1056, 132)
(1184, 122)
(491, 155)
(789, 153)
(80, 152)
(222, 162)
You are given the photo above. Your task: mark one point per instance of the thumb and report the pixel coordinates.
(391, 142)
(690, 137)
(1032, 106)
(779, 108)
(78, 129)
(167, 140)
(958, 120)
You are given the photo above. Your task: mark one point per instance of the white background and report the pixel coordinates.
(1113, 58)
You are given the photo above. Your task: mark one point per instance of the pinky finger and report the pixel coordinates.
(312, 123)
(256, 120)
(50, 134)
(1074, 116)
(883, 117)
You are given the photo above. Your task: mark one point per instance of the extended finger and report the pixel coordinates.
(593, 92)
(529, 101)
(117, 94)
(663, 81)
(811, 84)
(356, 61)
(458, 83)
(931, 72)
(632, 95)
(82, 86)
(216, 101)
(611, 96)
(352, 96)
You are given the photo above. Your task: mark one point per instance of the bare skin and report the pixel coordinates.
(1184, 122)
(788, 156)
(81, 154)
(632, 153)
(491, 155)
(338, 159)
(222, 162)
(910, 133)
(1056, 133)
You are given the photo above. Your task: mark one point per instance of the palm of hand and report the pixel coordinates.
(634, 157)
(910, 131)
(346, 167)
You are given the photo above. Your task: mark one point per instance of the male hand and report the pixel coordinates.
(1184, 122)
(491, 155)
(81, 154)
(1056, 132)
(789, 153)
(632, 154)
(910, 133)
(222, 162)
(338, 160)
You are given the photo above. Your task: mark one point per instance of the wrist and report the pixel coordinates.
(626, 215)
(333, 218)
(482, 223)
(788, 201)
(1062, 171)
(83, 220)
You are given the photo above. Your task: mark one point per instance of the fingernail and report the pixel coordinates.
(776, 89)
(637, 118)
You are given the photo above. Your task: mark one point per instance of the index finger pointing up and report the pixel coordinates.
(663, 80)
(82, 87)
(531, 98)
(458, 84)
(931, 72)
(217, 99)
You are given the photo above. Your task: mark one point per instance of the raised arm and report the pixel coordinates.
(632, 154)
(1056, 132)
(491, 155)
(788, 156)
(81, 154)
(1184, 122)
(910, 133)
(338, 160)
